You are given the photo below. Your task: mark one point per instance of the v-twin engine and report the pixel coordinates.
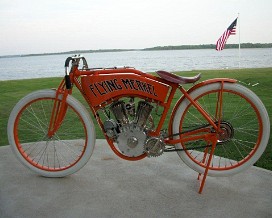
(129, 127)
(121, 112)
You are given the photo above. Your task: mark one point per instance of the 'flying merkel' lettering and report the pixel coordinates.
(108, 86)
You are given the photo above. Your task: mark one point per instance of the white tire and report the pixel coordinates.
(60, 155)
(245, 122)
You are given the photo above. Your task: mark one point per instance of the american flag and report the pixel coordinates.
(220, 44)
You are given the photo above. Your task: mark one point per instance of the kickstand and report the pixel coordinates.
(202, 177)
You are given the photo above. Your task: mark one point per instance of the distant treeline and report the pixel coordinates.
(209, 46)
(169, 47)
(70, 52)
(79, 52)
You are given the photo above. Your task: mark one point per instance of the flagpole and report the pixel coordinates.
(239, 39)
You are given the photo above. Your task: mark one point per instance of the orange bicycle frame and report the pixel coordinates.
(101, 87)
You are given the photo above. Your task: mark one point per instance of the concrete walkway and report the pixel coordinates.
(111, 187)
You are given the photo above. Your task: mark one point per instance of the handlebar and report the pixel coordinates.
(68, 61)
(75, 62)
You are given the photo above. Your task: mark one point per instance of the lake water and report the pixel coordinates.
(147, 61)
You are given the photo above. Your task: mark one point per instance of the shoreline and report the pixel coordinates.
(156, 48)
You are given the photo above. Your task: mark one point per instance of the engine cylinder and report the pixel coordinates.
(119, 111)
(143, 111)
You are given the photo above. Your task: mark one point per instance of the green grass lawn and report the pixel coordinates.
(12, 91)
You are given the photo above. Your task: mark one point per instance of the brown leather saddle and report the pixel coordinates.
(177, 79)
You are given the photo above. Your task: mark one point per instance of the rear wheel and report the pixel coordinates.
(244, 124)
(59, 155)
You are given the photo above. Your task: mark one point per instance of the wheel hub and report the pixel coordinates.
(226, 132)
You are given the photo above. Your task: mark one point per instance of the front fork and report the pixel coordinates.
(60, 104)
(59, 109)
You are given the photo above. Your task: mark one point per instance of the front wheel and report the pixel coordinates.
(59, 155)
(244, 125)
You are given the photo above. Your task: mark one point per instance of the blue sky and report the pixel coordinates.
(38, 26)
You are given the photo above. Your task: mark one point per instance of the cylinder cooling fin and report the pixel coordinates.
(119, 111)
(143, 111)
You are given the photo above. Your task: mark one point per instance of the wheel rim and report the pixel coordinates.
(241, 122)
(57, 153)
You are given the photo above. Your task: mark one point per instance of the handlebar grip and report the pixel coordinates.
(68, 82)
